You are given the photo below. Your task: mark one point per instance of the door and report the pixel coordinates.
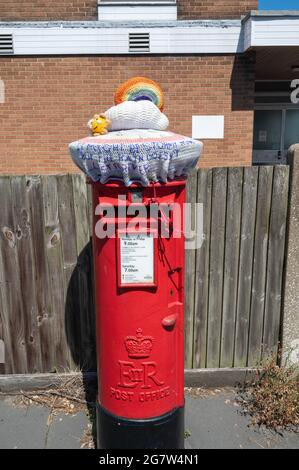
(291, 131)
(267, 138)
(275, 130)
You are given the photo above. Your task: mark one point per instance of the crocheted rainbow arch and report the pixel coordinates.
(138, 89)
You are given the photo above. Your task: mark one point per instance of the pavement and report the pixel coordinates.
(212, 422)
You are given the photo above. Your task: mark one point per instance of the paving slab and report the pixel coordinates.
(217, 422)
(213, 422)
(22, 428)
(66, 431)
(31, 428)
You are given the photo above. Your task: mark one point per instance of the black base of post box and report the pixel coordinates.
(164, 432)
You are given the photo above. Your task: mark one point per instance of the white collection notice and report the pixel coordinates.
(137, 258)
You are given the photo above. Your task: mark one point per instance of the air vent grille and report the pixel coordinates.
(6, 44)
(139, 42)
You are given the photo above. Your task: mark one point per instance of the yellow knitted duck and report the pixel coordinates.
(99, 124)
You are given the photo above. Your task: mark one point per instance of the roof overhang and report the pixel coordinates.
(257, 29)
(271, 29)
(105, 38)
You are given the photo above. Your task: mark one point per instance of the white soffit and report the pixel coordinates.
(74, 38)
(208, 127)
(261, 29)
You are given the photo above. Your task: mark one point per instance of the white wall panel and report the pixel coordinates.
(208, 127)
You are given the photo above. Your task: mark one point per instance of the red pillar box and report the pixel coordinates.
(139, 271)
(138, 245)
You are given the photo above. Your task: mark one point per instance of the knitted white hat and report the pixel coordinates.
(136, 115)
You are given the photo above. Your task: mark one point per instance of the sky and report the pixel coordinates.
(279, 4)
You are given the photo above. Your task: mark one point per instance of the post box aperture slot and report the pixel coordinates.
(137, 258)
(136, 196)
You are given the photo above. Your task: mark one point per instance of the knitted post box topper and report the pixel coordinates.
(99, 124)
(136, 115)
(136, 156)
(140, 89)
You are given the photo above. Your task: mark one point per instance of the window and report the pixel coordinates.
(291, 135)
(276, 122)
(275, 130)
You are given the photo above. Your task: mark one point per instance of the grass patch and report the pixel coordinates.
(272, 399)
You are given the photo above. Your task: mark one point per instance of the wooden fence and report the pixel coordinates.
(46, 301)
(233, 281)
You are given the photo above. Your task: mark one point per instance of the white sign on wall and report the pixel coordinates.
(208, 127)
(136, 258)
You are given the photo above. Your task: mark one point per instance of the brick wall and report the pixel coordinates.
(207, 9)
(87, 9)
(49, 100)
(47, 10)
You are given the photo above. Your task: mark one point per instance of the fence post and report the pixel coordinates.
(290, 326)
